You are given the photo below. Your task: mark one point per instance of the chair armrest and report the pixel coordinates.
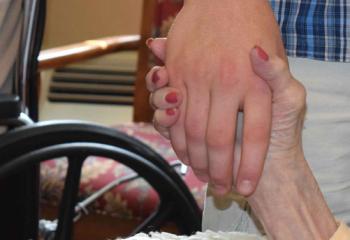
(60, 56)
(10, 107)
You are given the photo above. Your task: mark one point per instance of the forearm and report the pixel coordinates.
(289, 202)
(232, 10)
(227, 3)
(248, 20)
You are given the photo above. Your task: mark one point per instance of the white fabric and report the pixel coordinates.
(208, 235)
(326, 140)
(10, 36)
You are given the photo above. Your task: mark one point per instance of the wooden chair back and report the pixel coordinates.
(142, 110)
(61, 56)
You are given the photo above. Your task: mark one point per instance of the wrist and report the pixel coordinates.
(289, 202)
(258, 7)
(232, 2)
(228, 19)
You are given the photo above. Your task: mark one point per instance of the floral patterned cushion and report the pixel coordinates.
(134, 199)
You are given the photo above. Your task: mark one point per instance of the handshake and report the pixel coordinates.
(221, 59)
(271, 171)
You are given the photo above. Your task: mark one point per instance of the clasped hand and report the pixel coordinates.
(214, 80)
(288, 104)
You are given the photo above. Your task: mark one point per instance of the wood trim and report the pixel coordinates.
(142, 110)
(90, 98)
(60, 56)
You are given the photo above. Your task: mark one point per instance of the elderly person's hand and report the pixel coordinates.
(207, 60)
(287, 200)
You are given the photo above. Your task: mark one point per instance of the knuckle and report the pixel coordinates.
(228, 75)
(218, 140)
(195, 132)
(195, 135)
(280, 69)
(217, 178)
(199, 169)
(297, 96)
(262, 89)
(181, 152)
(280, 65)
(257, 135)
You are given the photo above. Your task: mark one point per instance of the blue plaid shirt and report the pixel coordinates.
(316, 29)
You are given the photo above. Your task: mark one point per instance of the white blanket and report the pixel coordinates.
(208, 235)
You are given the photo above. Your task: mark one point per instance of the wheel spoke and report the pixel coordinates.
(69, 198)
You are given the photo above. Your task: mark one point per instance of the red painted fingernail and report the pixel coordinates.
(170, 112)
(155, 77)
(171, 97)
(262, 54)
(149, 42)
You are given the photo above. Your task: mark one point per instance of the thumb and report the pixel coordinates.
(158, 47)
(273, 70)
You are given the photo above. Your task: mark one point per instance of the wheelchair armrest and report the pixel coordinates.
(10, 107)
(60, 56)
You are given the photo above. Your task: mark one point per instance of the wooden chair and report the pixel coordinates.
(62, 56)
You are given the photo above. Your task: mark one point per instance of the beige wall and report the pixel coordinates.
(70, 21)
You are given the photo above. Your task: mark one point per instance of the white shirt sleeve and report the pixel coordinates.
(11, 22)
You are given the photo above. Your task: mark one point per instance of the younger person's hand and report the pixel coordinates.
(287, 104)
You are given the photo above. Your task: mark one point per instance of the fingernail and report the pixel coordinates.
(149, 42)
(171, 97)
(220, 189)
(170, 112)
(262, 54)
(245, 188)
(155, 77)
